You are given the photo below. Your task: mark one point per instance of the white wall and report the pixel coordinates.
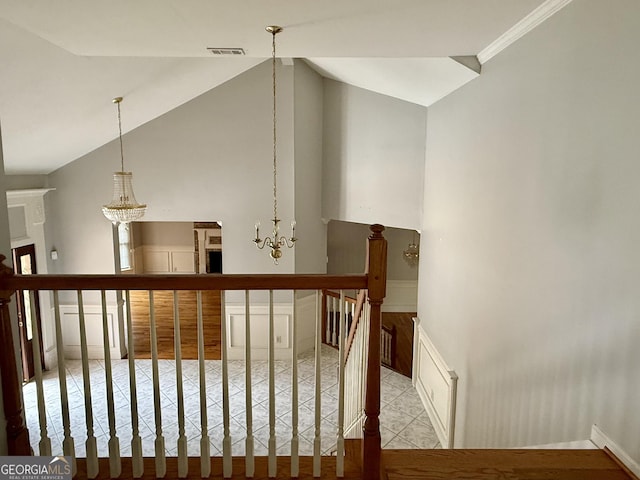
(209, 158)
(374, 148)
(530, 265)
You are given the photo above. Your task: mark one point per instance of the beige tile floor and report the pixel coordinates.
(404, 423)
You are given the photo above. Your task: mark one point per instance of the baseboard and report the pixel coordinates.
(603, 441)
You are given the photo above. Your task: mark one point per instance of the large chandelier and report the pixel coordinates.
(124, 207)
(276, 242)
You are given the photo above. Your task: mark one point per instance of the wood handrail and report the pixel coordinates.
(331, 293)
(183, 282)
(356, 321)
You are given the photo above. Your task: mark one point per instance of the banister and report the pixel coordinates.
(356, 321)
(183, 282)
(17, 433)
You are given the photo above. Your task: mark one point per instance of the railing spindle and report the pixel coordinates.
(249, 458)
(326, 303)
(183, 466)
(161, 461)
(115, 465)
(205, 446)
(91, 446)
(295, 442)
(227, 468)
(340, 433)
(44, 446)
(334, 322)
(68, 447)
(272, 392)
(318, 391)
(136, 441)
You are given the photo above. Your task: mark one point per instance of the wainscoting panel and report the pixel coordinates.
(436, 385)
(93, 318)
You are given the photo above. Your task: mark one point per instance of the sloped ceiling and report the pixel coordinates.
(62, 62)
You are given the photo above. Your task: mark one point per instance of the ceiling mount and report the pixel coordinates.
(273, 29)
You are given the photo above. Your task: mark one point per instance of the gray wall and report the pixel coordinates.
(311, 251)
(374, 150)
(164, 233)
(209, 158)
(530, 265)
(347, 247)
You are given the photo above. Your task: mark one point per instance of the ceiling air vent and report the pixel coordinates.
(226, 51)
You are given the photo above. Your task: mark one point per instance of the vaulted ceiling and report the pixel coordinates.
(62, 62)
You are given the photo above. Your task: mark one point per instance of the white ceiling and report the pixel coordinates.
(62, 62)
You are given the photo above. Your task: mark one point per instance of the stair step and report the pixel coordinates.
(501, 464)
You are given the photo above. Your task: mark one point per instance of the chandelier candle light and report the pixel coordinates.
(276, 242)
(123, 207)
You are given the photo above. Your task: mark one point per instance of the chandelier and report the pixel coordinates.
(124, 207)
(412, 253)
(275, 242)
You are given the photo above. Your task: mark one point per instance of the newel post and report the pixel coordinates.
(377, 272)
(17, 433)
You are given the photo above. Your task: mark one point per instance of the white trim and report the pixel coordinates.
(33, 192)
(602, 440)
(524, 26)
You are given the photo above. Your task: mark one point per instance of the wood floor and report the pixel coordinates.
(163, 302)
(502, 464)
(417, 465)
(404, 339)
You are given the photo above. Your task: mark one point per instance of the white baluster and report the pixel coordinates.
(334, 321)
(136, 441)
(340, 435)
(295, 442)
(272, 392)
(318, 393)
(161, 461)
(227, 469)
(68, 447)
(115, 465)
(249, 458)
(183, 466)
(327, 337)
(91, 446)
(205, 446)
(44, 447)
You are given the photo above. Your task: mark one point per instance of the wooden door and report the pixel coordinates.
(24, 262)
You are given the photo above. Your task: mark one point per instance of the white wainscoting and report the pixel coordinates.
(235, 318)
(436, 385)
(402, 296)
(69, 320)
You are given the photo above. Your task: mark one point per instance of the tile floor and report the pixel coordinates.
(404, 423)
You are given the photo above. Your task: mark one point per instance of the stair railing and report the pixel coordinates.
(81, 286)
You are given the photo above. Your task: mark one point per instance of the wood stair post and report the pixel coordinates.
(17, 433)
(377, 275)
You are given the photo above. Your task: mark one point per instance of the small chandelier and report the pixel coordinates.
(124, 207)
(275, 242)
(412, 253)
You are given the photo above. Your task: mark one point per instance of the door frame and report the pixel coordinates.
(26, 344)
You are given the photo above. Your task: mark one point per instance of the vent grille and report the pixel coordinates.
(226, 51)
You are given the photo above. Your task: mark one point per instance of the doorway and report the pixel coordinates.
(24, 263)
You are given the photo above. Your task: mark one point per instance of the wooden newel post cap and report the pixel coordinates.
(376, 230)
(5, 271)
